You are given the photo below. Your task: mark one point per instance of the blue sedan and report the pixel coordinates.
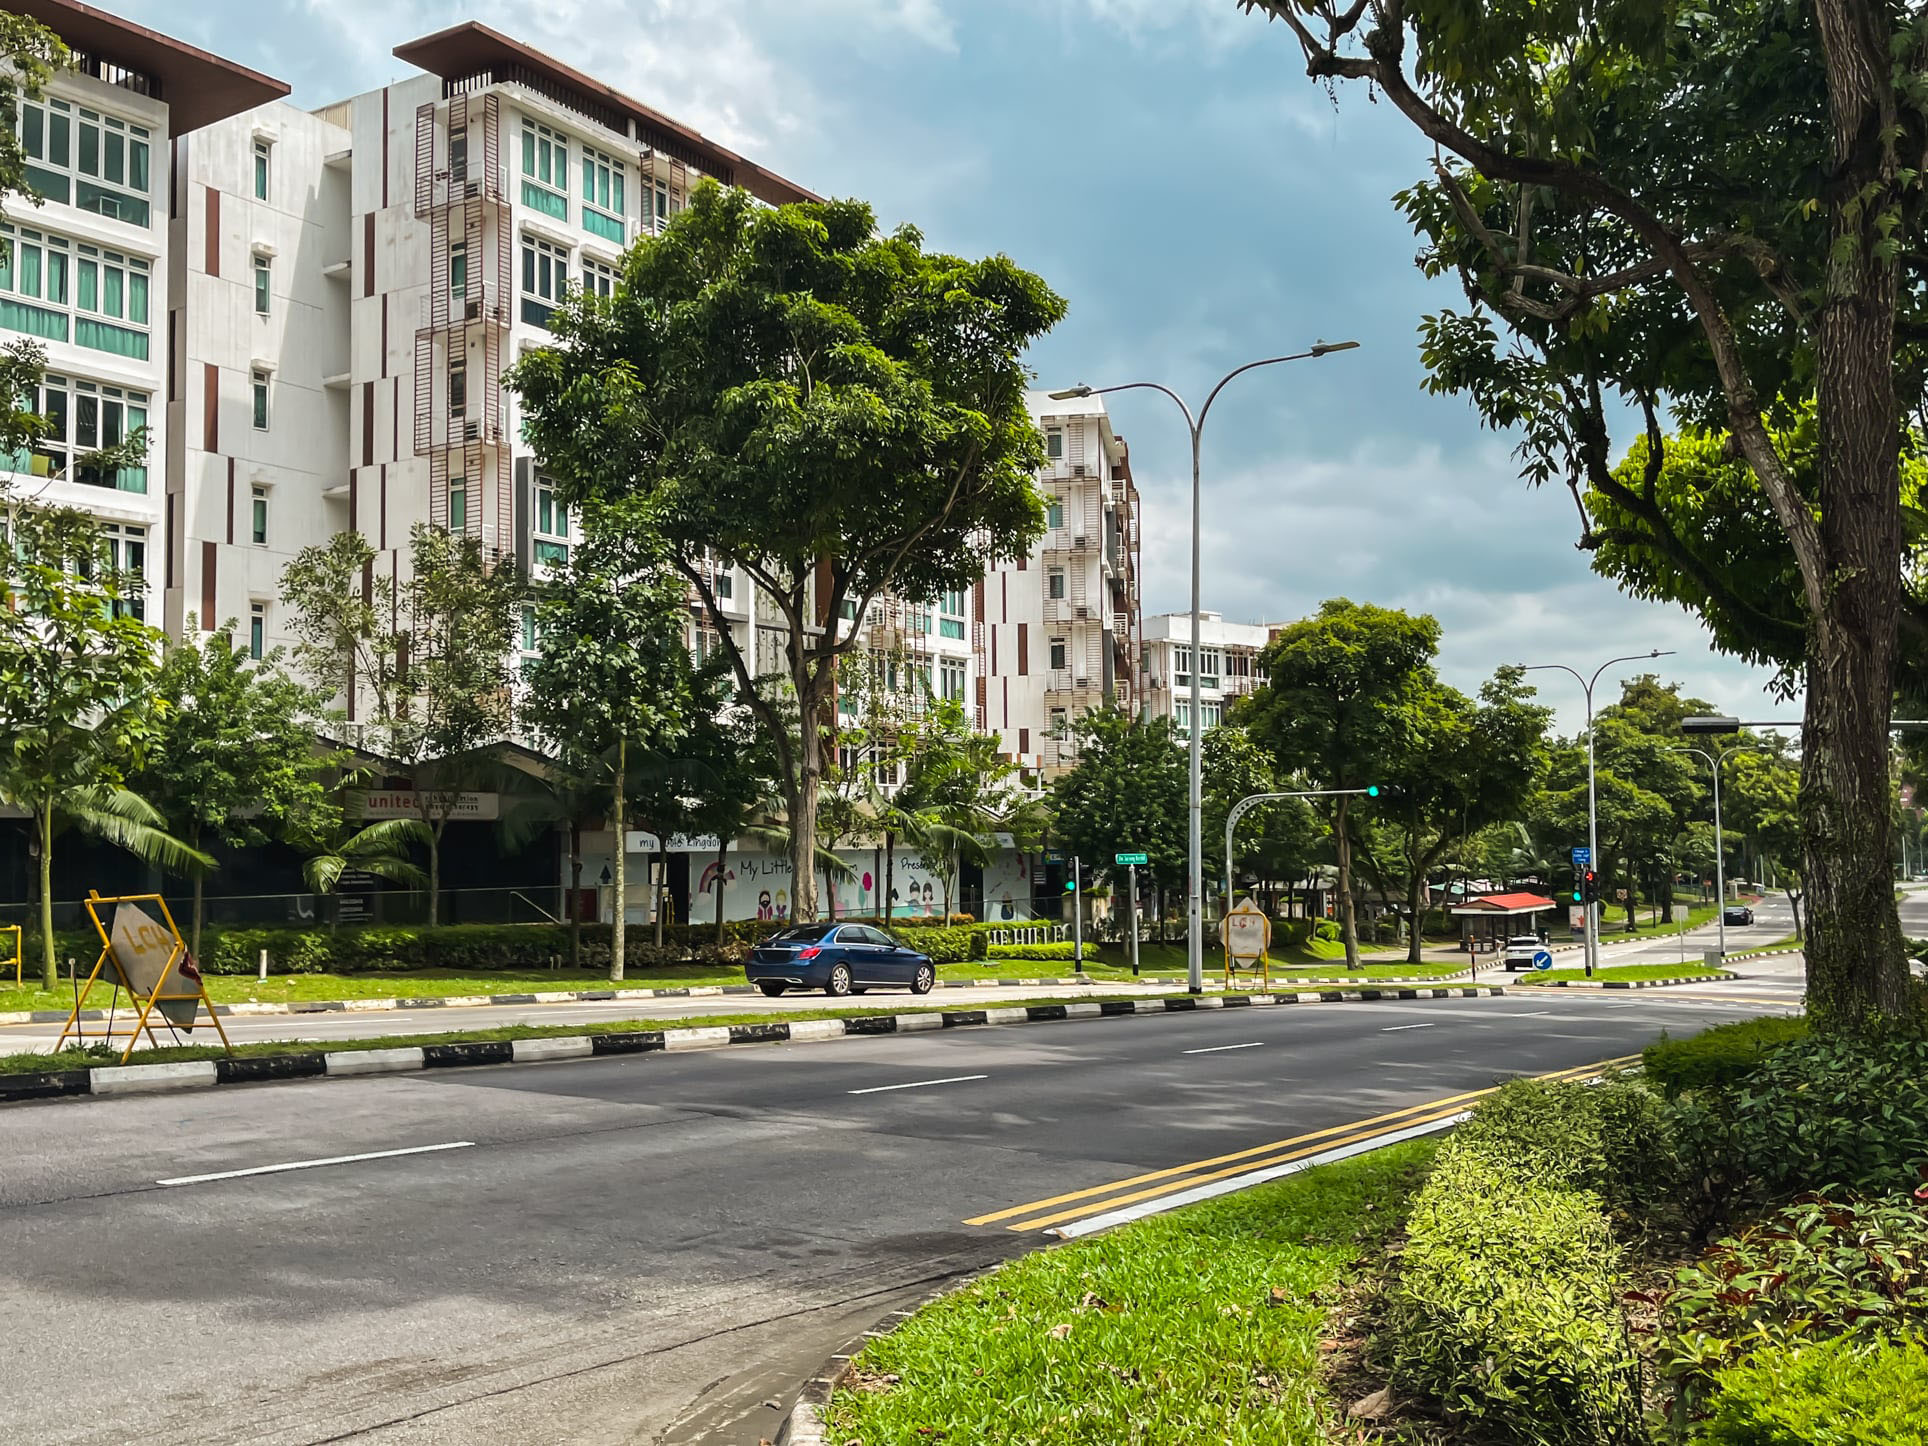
(839, 959)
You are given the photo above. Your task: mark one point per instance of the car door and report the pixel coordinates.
(898, 962)
(861, 953)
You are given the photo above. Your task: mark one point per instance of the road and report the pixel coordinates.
(646, 1248)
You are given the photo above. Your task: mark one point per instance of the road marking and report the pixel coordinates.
(1221, 1048)
(919, 1084)
(1395, 1028)
(1404, 1117)
(316, 1164)
(1531, 1014)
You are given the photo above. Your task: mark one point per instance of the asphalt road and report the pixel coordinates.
(647, 1248)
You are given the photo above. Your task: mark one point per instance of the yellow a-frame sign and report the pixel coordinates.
(148, 959)
(1247, 936)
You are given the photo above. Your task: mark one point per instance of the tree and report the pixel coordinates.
(732, 764)
(1276, 840)
(1127, 791)
(957, 791)
(437, 679)
(1342, 705)
(77, 706)
(611, 679)
(834, 413)
(1715, 212)
(379, 848)
(234, 759)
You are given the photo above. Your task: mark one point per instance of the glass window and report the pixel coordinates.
(458, 388)
(528, 628)
(550, 538)
(602, 194)
(545, 170)
(459, 156)
(263, 285)
(458, 505)
(1054, 444)
(126, 556)
(258, 516)
(259, 384)
(1054, 583)
(1058, 653)
(545, 276)
(598, 279)
(82, 417)
(459, 270)
(1054, 514)
(951, 675)
(261, 149)
(257, 628)
(99, 163)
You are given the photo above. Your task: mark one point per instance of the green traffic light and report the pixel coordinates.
(1576, 896)
(1372, 790)
(1070, 886)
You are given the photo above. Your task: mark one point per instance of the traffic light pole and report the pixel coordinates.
(1077, 917)
(1238, 811)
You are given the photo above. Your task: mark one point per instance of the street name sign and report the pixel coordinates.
(1127, 860)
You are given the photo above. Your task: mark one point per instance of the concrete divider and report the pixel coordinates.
(121, 1079)
(374, 1061)
(574, 1047)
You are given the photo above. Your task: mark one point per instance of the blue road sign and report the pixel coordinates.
(1542, 959)
(1582, 857)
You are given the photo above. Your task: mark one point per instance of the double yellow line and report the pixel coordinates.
(1099, 1198)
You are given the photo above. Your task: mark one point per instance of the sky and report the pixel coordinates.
(1169, 169)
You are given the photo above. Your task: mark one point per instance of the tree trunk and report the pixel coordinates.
(616, 937)
(200, 897)
(1416, 907)
(1348, 913)
(722, 863)
(1667, 897)
(890, 872)
(575, 893)
(660, 894)
(801, 799)
(48, 975)
(1633, 921)
(1794, 903)
(434, 876)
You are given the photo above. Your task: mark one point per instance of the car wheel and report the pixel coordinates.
(772, 990)
(838, 984)
(925, 978)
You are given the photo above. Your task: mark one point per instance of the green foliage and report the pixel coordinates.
(1049, 950)
(1825, 1266)
(1840, 1392)
(955, 944)
(1609, 1138)
(1816, 1112)
(1127, 790)
(1274, 840)
(1723, 1055)
(1505, 1308)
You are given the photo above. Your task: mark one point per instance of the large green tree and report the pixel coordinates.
(1273, 841)
(1127, 792)
(1345, 702)
(611, 682)
(234, 760)
(1715, 212)
(834, 413)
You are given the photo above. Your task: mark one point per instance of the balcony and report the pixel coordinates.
(1064, 610)
(475, 306)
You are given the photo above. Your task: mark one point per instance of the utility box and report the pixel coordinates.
(1711, 958)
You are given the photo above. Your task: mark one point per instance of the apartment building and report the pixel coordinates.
(1228, 666)
(1059, 629)
(86, 275)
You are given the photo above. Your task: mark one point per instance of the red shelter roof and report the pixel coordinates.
(1505, 904)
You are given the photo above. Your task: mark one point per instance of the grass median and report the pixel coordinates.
(1202, 1325)
(1628, 972)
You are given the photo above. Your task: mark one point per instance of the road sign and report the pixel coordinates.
(1542, 959)
(1245, 932)
(1582, 857)
(1126, 860)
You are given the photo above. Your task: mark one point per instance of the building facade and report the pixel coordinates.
(1228, 666)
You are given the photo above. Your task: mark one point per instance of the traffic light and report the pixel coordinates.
(1071, 885)
(1590, 885)
(1372, 790)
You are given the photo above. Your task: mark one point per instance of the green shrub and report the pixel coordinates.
(1033, 951)
(1291, 933)
(1611, 1138)
(1816, 1113)
(1832, 1393)
(1722, 1055)
(955, 944)
(1817, 1268)
(1504, 1310)
(1327, 930)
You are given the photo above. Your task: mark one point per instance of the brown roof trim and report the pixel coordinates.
(199, 88)
(471, 48)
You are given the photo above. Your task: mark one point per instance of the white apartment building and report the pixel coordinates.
(1228, 666)
(1060, 628)
(87, 273)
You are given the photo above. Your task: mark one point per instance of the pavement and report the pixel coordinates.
(649, 1249)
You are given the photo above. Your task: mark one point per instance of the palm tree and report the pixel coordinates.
(377, 848)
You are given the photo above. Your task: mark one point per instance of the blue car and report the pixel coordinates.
(839, 959)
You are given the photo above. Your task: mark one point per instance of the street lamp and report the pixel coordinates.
(1195, 947)
(1714, 761)
(1252, 800)
(1593, 822)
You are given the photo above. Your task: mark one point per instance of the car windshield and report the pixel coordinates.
(1524, 941)
(800, 934)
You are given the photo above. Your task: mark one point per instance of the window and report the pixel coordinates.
(258, 516)
(257, 629)
(598, 279)
(459, 272)
(951, 603)
(1054, 444)
(1054, 583)
(1182, 714)
(709, 644)
(528, 628)
(263, 284)
(1182, 667)
(48, 282)
(1208, 715)
(458, 505)
(545, 276)
(261, 152)
(259, 381)
(1058, 653)
(545, 170)
(97, 163)
(82, 417)
(551, 532)
(725, 585)
(602, 195)
(1059, 724)
(127, 558)
(1054, 514)
(847, 610)
(950, 677)
(458, 156)
(458, 386)
(1208, 667)
(667, 201)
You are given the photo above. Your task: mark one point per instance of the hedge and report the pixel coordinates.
(1832, 1393)
(1717, 1057)
(1032, 951)
(1295, 932)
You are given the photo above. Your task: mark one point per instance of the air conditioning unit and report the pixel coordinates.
(1083, 610)
(1084, 682)
(1081, 540)
(1078, 469)
(471, 430)
(472, 309)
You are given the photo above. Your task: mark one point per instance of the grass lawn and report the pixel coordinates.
(1169, 959)
(1692, 969)
(1198, 1326)
(431, 983)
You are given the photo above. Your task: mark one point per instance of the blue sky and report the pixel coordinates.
(1168, 168)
